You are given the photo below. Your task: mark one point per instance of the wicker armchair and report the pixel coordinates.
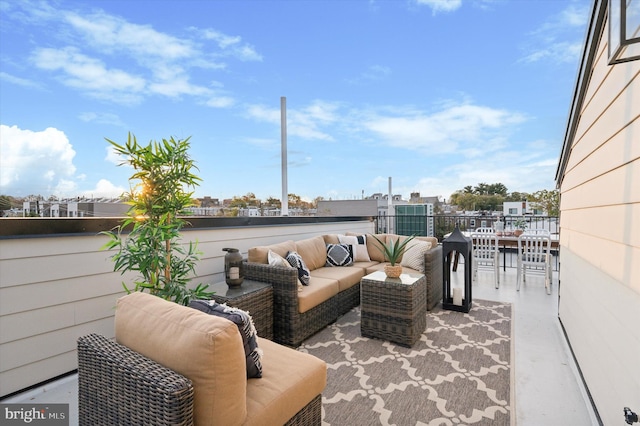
(174, 365)
(119, 386)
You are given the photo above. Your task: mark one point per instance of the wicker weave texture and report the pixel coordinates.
(290, 327)
(259, 304)
(392, 310)
(433, 274)
(118, 386)
(311, 414)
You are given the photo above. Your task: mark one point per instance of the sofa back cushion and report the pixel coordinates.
(432, 240)
(204, 348)
(260, 254)
(331, 238)
(313, 251)
(373, 247)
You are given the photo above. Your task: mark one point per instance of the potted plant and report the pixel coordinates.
(520, 224)
(392, 251)
(147, 241)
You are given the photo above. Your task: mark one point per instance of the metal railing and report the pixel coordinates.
(440, 225)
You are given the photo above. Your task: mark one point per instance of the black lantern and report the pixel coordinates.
(233, 267)
(457, 244)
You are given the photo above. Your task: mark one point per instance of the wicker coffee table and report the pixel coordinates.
(252, 296)
(393, 309)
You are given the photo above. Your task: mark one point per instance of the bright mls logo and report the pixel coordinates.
(35, 414)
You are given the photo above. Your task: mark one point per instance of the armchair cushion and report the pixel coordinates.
(204, 348)
(245, 326)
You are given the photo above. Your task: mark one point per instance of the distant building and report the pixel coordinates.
(78, 207)
(367, 207)
(520, 208)
(415, 219)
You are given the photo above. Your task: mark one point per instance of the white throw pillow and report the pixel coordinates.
(413, 256)
(359, 243)
(276, 260)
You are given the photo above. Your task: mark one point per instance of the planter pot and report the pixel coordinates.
(518, 232)
(393, 271)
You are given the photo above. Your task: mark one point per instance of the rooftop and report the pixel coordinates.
(548, 387)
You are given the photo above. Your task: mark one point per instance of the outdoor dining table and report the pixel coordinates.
(505, 241)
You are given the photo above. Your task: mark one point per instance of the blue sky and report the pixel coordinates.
(437, 94)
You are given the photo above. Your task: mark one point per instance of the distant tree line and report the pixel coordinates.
(490, 197)
(483, 196)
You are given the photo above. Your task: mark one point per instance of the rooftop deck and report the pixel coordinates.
(548, 391)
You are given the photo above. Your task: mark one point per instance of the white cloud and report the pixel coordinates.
(306, 123)
(17, 80)
(110, 58)
(140, 41)
(101, 118)
(441, 5)
(559, 38)
(82, 72)
(220, 102)
(34, 162)
(104, 189)
(372, 74)
(517, 170)
(232, 45)
(456, 128)
(112, 156)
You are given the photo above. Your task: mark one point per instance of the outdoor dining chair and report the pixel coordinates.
(486, 252)
(534, 253)
(484, 230)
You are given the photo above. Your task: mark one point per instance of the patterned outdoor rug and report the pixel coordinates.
(459, 373)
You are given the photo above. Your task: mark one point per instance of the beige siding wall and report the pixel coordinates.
(600, 238)
(56, 289)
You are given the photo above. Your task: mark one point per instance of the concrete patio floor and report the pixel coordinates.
(548, 390)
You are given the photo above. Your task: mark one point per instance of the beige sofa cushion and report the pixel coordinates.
(394, 238)
(374, 247)
(432, 240)
(204, 348)
(260, 254)
(347, 276)
(331, 239)
(319, 290)
(291, 379)
(313, 251)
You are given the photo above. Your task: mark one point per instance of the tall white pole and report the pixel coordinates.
(390, 211)
(283, 133)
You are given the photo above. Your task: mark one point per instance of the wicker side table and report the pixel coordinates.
(393, 309)
(252, 296)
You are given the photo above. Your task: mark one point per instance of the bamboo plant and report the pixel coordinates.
(148, 240)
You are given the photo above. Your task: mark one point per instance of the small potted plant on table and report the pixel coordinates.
(393, 251)
(520, 224)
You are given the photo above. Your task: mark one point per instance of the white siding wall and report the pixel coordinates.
(56, 289)
(600, 238)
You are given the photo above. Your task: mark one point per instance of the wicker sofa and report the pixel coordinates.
(176, 365)
(332, 291)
